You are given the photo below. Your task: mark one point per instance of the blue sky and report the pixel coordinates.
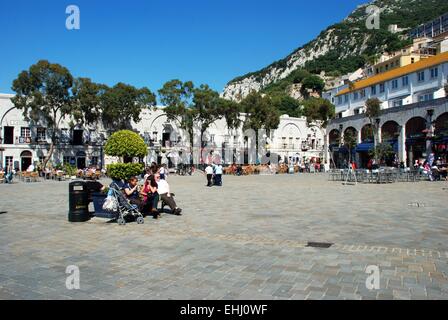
(146, 43)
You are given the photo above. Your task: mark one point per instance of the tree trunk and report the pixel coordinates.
(50, 153)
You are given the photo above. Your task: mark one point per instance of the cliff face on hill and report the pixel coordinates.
(345, 46)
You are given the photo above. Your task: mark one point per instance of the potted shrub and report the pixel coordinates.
(125, 145)
(70, 171)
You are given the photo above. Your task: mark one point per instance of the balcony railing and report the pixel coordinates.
(23, 140)
(289, 146)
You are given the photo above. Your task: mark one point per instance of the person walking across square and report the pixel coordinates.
(218, 174)
(209, 173)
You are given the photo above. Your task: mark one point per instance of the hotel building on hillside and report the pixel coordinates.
(414, 111)
(23, 143)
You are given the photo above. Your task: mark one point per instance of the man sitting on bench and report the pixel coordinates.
(165, 195)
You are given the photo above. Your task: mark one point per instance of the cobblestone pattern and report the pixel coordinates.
(246, 240)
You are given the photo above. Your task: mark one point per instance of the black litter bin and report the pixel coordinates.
(78, 202)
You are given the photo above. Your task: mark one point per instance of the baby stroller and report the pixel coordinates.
(121, 206)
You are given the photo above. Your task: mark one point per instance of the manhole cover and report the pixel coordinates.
(417, 205)
(319, 245)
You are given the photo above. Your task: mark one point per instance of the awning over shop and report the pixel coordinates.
(415, 139)
(442, 140)
(364, 147)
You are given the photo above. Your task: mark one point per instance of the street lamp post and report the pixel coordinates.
(1, 151)
(102, 141)
(341, 135)
(429, 133)
(341, 143)
(377, 138)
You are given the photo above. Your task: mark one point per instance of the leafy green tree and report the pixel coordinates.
(382, 152)
(373, 111)
(177, 96)
(87, 100)
(205, 108)
(286, 104)
(202, 106)
(350, 141)
(123, 103)
(299, 75)
(318, 109)
(126, 145)
(314, 83)
(43, 93)
(230, 110)
(260, 114)
(124, 171)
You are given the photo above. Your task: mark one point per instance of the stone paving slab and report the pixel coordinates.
(246, 240)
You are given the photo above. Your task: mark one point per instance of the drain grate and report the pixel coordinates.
(417, 205)
(324, 245)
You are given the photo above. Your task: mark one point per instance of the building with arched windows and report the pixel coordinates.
(23, 142)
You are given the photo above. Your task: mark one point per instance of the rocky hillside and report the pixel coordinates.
(343, 47)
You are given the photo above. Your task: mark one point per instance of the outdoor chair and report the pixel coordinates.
(34, 177)
(402, 176)
(361, 175)
(335, 175)
(60, 176)
(391, 176)
(372, 177)
(26, 176)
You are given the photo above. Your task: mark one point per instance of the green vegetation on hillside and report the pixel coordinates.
(355, 43)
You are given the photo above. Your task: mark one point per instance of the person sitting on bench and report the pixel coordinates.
(164, 193)
(131, 191)
(150, 196)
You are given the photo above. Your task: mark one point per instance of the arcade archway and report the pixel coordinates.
(26, 159)
(415, 139)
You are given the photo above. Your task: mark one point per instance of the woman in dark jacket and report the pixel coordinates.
(150, 196)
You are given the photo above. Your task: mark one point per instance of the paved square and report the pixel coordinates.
(246, 240)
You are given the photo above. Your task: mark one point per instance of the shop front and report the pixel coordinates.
(415, 140)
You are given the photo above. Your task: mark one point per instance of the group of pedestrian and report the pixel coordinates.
(434, 169)
(7, 174)
(214, 174)
(155, 188)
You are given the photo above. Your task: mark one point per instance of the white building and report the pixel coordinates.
(414, 117)
(417, 82)
(23, 142)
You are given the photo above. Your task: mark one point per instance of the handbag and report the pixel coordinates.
(110, 204)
